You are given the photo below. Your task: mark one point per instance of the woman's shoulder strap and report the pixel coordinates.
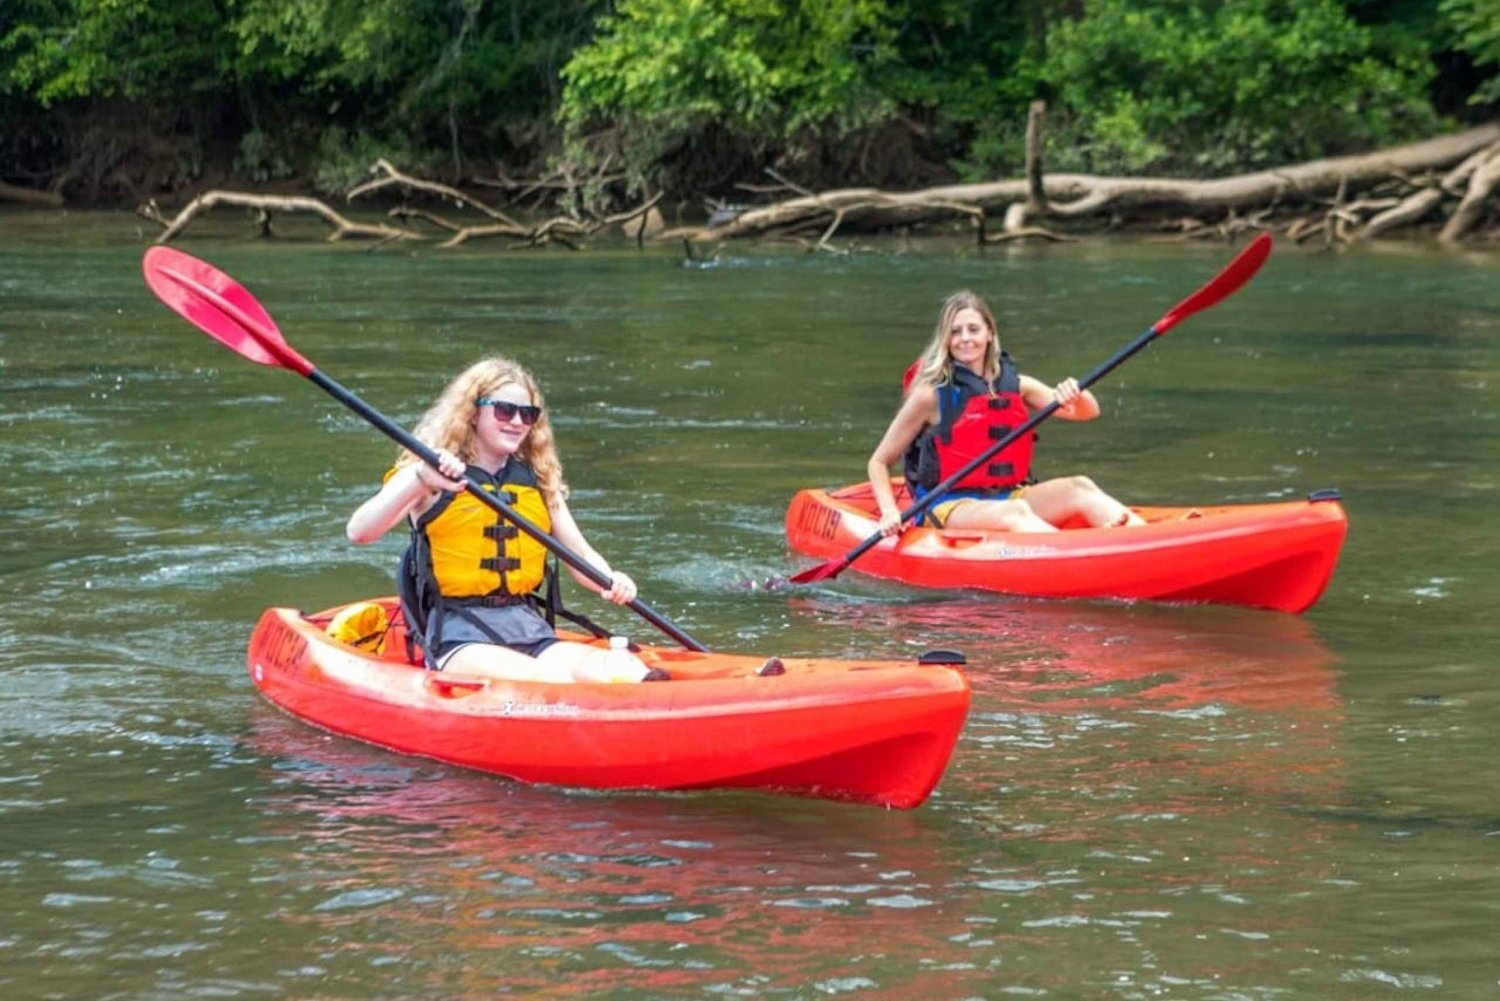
(516, 471)
(1009, 379)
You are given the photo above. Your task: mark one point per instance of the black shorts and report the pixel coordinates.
(519, 627)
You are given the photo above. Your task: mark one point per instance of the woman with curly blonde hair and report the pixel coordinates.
(490, 425)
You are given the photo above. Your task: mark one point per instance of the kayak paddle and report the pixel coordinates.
(1222, 285)
(222, 308)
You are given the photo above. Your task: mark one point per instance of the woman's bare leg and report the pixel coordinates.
(587, 663)
(1011, 515)
(489, 660)
(563, 662)
(1066, 497)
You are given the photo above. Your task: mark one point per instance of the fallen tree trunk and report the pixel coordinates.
(1477, 193)
(31, 196)
(1209, 206)
(1451, 180)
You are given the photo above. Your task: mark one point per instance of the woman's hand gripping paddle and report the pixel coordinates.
(1224, 284)
(220, 307)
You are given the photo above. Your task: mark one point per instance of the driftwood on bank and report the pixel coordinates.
(563, 229)
(29, 196)
(1476, 178)
(1397, 186)
(1449, 182)
(265, 206)
(566, 230)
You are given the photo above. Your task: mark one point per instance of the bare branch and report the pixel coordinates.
(265, 205)
(1476, 198)
(388, 176)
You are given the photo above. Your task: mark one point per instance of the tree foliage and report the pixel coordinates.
(286, 88)
(1476, 28)
(1136, 85)
(60, 50)
(1204, 87)
(761, 65)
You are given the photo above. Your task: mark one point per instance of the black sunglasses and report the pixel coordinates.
(506, 411)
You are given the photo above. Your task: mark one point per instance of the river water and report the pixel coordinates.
(1148, 801)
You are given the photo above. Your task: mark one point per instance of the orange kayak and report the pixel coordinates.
(864, 731)
(1278, 555)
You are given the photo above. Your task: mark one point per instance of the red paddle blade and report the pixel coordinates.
(220, 307)
(822, 571)
(1236, 273)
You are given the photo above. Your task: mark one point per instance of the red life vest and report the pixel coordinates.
(973, 416)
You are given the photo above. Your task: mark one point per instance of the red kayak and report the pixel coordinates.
(864, 731)
(1278, 556)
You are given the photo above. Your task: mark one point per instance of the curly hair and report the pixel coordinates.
(449, 422)
(936, 363)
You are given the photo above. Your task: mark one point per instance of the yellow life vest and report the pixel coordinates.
(474, 550)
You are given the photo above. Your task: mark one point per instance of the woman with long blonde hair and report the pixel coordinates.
(964, 395)
(491, 424)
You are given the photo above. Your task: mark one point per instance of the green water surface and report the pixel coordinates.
(1147, 802)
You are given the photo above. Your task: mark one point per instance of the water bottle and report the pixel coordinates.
(619, 664)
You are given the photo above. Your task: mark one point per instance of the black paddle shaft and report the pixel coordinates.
(409, 442)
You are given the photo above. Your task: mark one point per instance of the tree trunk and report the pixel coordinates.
(30, 196)
(1215, 205)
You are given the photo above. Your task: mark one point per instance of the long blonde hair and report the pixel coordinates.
(935, 367)
(449, 422)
